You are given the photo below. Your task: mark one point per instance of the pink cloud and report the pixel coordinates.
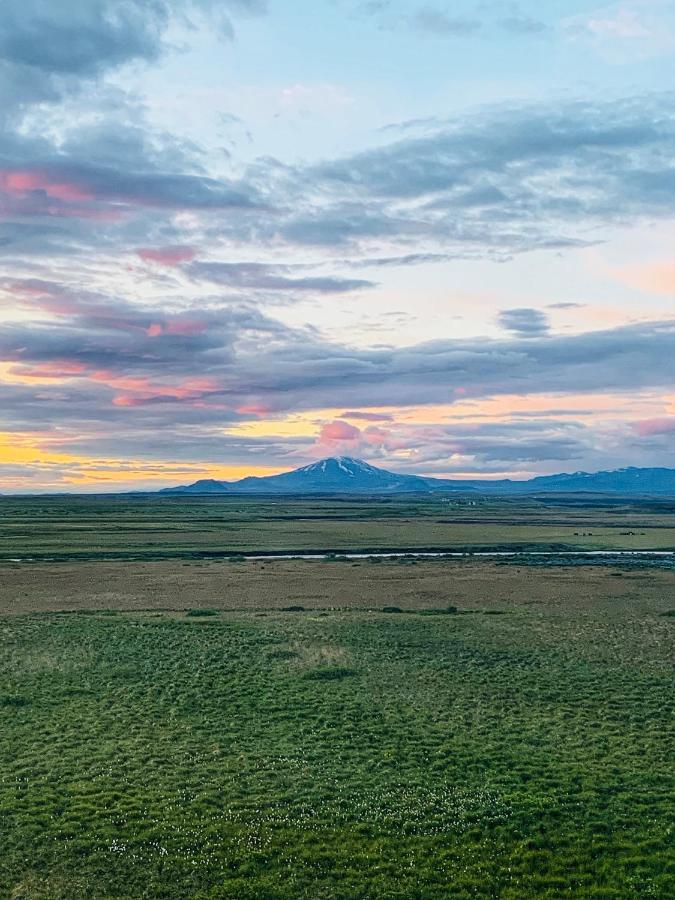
(650, 427)
(36, 192)
(254, 409)
(185, 327)
(341, 435)
(142, 391)
(166, 256)
(21, 182)
(338, 431)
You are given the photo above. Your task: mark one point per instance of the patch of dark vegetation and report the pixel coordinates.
(202, 613)
(282, 654)
(392, 609)
(669, 614)
(495, 612)
(444, 611)
(330, 673)
(13, 701)
(293, 608)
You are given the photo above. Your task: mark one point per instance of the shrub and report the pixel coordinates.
(292, 608)
(392, 609)
(330, 673)
(447, 611)
(282, 654)
(13, 700)
(202, 612)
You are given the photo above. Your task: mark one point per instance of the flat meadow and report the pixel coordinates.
(278, 729)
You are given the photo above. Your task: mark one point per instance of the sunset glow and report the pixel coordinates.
(230, 249)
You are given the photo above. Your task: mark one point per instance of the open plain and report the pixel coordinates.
(175, 723)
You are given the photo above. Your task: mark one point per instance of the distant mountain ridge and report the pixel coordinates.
(345, 475)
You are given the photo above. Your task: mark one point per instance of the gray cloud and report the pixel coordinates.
(205, 362)
(47, 48)
(86, 37)
(443, 20)
(566, 305)
(366, 416)
(434, 21)
(524, 321)
(150, 384)
(272, 277)
(504, 182)
(524, 25)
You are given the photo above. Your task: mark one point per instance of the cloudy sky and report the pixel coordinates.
(239, 235)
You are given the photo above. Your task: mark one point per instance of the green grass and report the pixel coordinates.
(338, 754)
(64, 528)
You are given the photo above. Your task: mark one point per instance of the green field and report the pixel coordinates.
(165, 527)
(174, 727)
(338, 754)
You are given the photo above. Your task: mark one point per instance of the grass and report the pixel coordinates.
(144, 528)
(339, 754)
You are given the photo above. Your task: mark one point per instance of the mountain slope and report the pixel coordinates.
(337, 475)
(344, 475)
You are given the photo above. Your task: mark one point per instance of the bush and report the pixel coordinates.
(202, 612)
(282, 654)
(13, 700)
(392, 609)
(446, 611)
(330, 673)
(292, 608)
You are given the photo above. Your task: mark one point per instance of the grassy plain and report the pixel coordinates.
(172, 727)
(164, 527)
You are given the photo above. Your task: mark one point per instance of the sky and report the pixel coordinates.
(237, 236)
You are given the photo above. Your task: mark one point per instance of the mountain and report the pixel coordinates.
(344, 475)
(618, 481)
(335, 475)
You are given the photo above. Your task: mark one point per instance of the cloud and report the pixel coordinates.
(651, 427)
(655, 278)
(367, 416)
(566, 305)
(523, 25)
(627, 30)
(178, 346)
(338, 432)
(483, 447)
(507, 181)
(203, 365)
(47, 48)
(524, 322)
(434, 21)
(502, 182)
(166, 256)
(272, 277)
